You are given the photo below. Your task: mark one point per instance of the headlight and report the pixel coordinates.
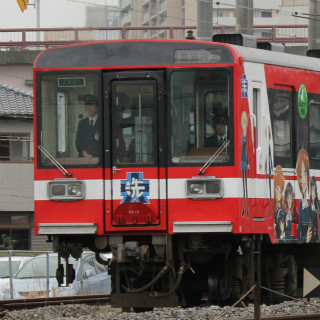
(204, 188)
(75, 190)
(66, 190)
(196, 188)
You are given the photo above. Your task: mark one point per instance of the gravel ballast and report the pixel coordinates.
(89, 312)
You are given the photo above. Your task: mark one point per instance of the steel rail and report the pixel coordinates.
(315, 316)
(14, 304)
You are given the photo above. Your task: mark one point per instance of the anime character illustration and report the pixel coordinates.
(279, 204)
(244, 163)
(315, 210)
(290, 220)
(305, 228)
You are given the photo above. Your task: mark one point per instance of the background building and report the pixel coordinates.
(16, 169)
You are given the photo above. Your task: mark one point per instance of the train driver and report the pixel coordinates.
(220, 135)
(88, 140)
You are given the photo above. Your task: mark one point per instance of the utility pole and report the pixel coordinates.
(204, 20)
(38, 13)
(314, 24)
(244, 16)
(38, 19)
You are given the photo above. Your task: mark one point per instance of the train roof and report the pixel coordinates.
(278, 58)
(132, 53)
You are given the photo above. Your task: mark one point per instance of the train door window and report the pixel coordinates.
(135, 123)
(69, 110)
(201, 115)
(256, 106)
(314, 127)
(281, 109)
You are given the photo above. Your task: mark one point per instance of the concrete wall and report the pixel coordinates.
(16, 178)
(16, 186)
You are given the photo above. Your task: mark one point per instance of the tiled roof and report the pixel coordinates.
(15, 102)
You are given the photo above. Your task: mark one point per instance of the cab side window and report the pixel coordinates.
(314, 128)
(281, 115)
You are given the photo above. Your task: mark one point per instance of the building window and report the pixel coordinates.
(266, 34)
(15, 147)
(266, 14)
(217, 14)
(15, 230)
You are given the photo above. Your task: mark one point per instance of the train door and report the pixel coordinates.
(262, 162)
(133, 152)
(261, 146)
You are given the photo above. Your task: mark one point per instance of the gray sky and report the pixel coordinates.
(53, 13)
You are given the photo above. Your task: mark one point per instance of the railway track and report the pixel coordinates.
(16, 304)
(315, 316)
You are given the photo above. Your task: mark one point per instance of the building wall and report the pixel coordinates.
(17, 75)
(38, 243)
(17, 188)
(16, 183)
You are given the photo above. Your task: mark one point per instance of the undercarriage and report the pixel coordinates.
(191, 270)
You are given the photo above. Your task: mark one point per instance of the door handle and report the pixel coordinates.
(115, 169)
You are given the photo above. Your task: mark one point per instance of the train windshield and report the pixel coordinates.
(70, 117)
(201, 119)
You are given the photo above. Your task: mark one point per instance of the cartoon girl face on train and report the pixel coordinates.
(244, 163)
(303, 172)
(308, 229)
(279, 204)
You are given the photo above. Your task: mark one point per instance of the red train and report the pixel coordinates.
(196, 163)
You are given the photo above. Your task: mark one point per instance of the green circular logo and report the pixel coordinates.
(302, 101)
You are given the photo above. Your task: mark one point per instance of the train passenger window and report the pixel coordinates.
(201, 108)
(314, 127)
(69, 109)
(281, 123)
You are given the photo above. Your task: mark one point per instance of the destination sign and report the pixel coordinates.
(197, 56)
(71, 82)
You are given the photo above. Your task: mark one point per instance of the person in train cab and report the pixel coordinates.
(88, 139)
(220, 135)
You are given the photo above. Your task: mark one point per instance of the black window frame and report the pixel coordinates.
(290, 160)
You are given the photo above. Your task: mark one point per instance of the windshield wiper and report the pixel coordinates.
(54, 160)
(214, 157)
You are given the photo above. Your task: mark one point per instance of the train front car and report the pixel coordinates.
(162, 152)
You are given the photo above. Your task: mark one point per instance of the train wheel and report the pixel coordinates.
(213, 290)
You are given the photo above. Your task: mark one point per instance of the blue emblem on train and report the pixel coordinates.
(135, 189)
(244, 86)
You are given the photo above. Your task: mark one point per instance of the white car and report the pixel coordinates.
(34, 281)
(16, 263)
